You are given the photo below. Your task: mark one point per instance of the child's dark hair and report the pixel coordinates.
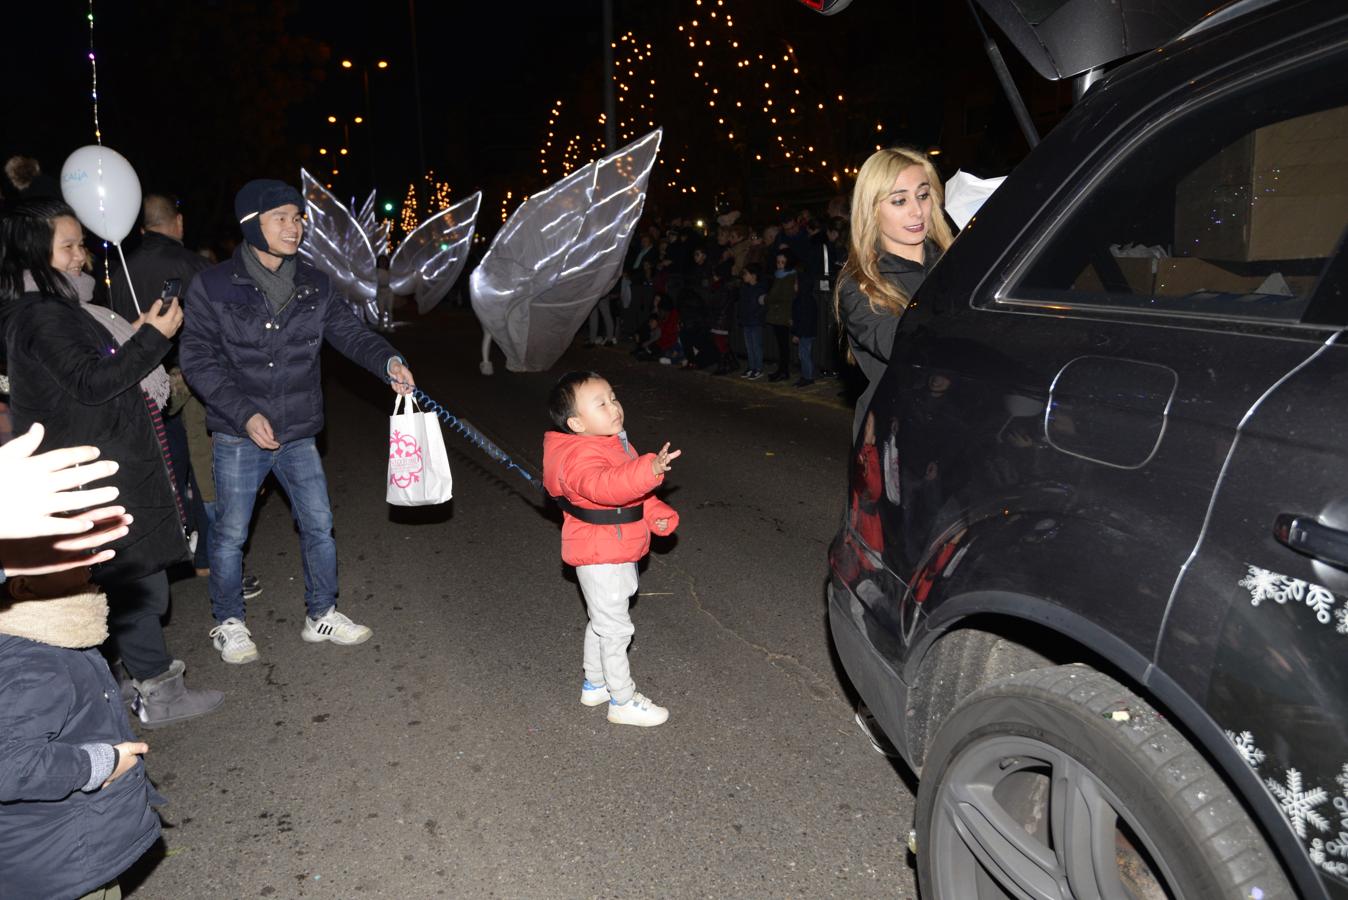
(562, 399)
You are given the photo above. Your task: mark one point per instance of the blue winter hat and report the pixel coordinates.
(257, 197)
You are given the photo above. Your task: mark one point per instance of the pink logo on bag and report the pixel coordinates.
(404, 460)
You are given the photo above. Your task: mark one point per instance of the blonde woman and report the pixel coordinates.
(899, 230)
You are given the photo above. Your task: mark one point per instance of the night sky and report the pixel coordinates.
(202, 96)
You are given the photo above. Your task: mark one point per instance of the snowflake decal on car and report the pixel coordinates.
(1264, 584)
(1299, 804)
(1244, 742)
(1331, 854)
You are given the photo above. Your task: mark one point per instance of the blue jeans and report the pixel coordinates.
(807, 358)
(240, 467)
(753, 346)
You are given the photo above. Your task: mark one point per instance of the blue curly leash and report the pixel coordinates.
(473, 436)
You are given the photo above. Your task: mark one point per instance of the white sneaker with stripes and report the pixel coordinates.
(335, 627)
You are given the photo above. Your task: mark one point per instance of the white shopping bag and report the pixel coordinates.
(418, 467)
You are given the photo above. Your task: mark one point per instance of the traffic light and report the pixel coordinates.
(388, 206)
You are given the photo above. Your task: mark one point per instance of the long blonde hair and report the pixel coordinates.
(875, 180)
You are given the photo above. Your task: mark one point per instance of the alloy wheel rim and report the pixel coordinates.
(1018, 818)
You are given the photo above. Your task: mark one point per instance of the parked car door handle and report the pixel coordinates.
(1305, 535)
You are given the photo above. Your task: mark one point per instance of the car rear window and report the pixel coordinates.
(1231, 210)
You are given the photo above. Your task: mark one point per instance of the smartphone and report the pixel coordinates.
(172, 289)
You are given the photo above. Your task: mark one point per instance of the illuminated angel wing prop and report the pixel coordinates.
(374, 229)
(430, 259)
(337, 245)
(560, 251)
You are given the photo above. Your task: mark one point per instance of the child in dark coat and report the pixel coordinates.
(76, 800)
(751, 311)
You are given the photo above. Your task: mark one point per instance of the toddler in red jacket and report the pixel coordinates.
(605, 489)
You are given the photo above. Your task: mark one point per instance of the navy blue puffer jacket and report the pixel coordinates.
(241, 359)
(55, 840)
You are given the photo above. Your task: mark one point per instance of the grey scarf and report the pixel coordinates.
(278, 286)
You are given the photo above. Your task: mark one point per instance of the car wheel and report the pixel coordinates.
(1062, 783)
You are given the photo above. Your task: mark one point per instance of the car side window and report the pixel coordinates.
(1232, 210)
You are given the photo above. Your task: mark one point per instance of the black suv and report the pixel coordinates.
(1092, 581)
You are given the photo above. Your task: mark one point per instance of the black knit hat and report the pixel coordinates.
(257, 197)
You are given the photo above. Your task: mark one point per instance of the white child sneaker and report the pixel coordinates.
(640, 710)
(234, 641)
(334, 626)
(593, 694)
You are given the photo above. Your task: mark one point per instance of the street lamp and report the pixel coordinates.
(364, 67)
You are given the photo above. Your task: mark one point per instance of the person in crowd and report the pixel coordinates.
(804, 328)
(30, 182)
(602, 310)
(669, 345)
(161, 257)
(698, 311)
(834, 252)
(255, 326)
(898, 232)
(91, 377)
(752, 303)
(606, 491)
(643, 298)
(724, 291)
(778, 306)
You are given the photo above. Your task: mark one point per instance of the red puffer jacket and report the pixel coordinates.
(599, 473)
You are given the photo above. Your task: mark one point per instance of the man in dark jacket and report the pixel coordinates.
(160, 256)
(250, 350)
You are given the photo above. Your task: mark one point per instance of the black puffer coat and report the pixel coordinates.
(241, 358)
(67, 372)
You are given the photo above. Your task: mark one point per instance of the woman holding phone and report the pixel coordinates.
(91, 377)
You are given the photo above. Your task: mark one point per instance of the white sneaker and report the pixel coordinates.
(592, 694)
(640, 710)
(235, 643)
(335, 627)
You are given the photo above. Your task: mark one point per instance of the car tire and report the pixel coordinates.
(1062, 783)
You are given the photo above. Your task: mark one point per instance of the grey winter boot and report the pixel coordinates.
(165, 699)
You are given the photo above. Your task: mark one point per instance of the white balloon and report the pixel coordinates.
(102, 188)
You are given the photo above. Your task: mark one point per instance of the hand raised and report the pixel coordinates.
(36, 487)
(45, 556)
(661, 463)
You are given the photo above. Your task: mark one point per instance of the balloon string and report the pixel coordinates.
(129, 283)
(471, 434)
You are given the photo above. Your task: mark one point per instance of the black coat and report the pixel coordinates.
(64, 373)
(158, 259)
(870, 334)
(242, 359)
(55, 840)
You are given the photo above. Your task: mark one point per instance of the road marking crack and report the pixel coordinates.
(819, 687)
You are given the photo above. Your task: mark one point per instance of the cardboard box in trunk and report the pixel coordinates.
(1279, 193)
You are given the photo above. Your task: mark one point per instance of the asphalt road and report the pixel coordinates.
(450, 756)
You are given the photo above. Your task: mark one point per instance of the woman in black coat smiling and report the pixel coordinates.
(90, 377)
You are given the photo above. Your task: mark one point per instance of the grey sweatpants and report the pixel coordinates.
(607, 589)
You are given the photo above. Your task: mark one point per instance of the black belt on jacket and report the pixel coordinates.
(623, 515)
